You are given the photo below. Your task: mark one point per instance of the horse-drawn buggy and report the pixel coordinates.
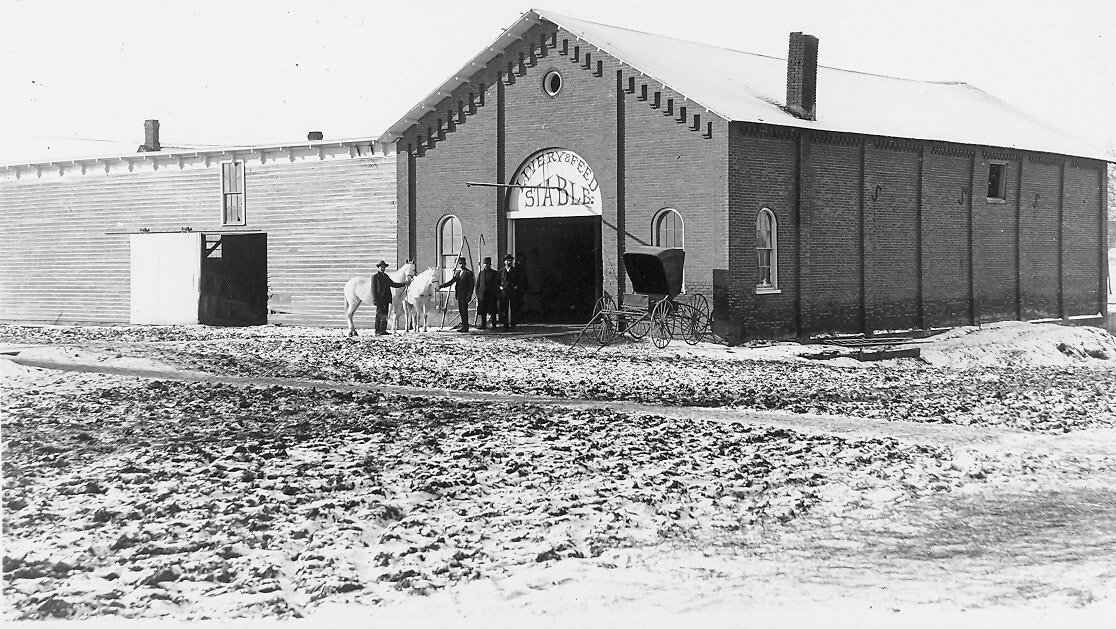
(656, 306)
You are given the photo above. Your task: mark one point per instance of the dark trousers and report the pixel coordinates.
(487, 309)
(509, 310)
(463, 311)
(381, 318)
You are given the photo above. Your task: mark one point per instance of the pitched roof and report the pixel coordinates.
(741, 86)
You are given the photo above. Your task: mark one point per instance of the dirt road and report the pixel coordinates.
(141, 489)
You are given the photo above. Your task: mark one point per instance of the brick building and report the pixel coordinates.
(808, 199)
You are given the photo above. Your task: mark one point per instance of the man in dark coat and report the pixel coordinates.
(488, 293)
(381, 296)
(463, 291)
(511, 291)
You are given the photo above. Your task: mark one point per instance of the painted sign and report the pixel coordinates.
(554, 182)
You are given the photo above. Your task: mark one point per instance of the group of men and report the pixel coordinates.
(499, 293)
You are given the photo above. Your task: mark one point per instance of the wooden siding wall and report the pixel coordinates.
(64, 255)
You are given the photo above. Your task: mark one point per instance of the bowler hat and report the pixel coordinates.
(488, 260)
(461, 260)
(509, 257)
(381, 265)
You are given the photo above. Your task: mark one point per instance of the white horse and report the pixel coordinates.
(420, 296)
(359, 290)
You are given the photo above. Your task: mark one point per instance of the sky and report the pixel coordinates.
(80, 77)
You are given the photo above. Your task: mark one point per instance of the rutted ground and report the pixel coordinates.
(188, 500)
(1052, 398)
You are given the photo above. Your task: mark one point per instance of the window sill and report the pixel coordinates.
(767, 290)
(993, 201)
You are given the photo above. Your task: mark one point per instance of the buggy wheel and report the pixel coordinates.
(660, 324)
(679, 321)
(686, 324)
(605, 304)
(639, 326)
(603, 328)
(699, 320)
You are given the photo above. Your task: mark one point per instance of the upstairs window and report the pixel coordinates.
(997, 181)
(232, 189)
(767, 252)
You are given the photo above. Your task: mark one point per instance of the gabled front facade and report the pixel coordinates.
(644, 161)
(793, 225)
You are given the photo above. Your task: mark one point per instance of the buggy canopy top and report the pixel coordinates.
(655, 270)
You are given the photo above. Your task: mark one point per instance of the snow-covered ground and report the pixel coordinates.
(138, 487)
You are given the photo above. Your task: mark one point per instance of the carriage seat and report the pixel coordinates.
(637, 301)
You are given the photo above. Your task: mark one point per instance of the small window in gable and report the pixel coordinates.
(997, 181)
(232, 189)
(767, 252)
(552, 83)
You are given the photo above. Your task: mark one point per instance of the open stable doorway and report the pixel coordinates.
(563, 265)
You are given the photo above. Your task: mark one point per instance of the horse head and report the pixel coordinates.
(422, 286)
(404, 273)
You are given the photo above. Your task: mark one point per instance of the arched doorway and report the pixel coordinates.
(554, 216)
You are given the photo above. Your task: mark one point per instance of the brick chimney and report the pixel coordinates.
(802, 76)
(150, 137)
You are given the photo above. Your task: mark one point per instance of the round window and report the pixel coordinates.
(552, 83)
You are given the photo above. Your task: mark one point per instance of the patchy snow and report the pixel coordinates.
(154, 499)
(985, 377)
(1015, 343)
(474, 609)
(268, 501)
(1007, 343)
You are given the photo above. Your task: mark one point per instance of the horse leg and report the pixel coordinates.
(350, 310)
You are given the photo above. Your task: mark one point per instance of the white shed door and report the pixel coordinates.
(166, 277)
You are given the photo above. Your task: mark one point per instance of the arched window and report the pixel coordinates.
(668, 230)
(767, 251)
(450, 238)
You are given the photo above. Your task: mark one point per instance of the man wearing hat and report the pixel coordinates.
(463, 291)
(488, 293)
(381, 296)
(511, 291)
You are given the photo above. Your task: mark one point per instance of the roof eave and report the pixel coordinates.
(374, 146)
(513, 33)
(464, 75)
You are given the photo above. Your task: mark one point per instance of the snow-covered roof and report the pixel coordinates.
(748, 87)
